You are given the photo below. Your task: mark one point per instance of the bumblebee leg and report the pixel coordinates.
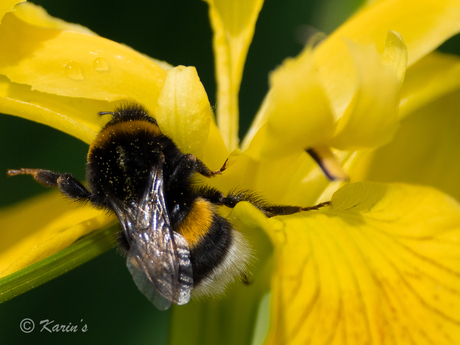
(205, 171)
(214, 196)
(282, 210)
(233, 198)
(316, 207)
(67, 184)
(187, 166)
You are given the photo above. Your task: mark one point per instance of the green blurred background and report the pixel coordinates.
(101, 292)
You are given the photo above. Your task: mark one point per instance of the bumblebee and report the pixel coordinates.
(174, 239)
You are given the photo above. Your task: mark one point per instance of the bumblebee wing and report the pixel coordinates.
(158, 258)
(162, 275)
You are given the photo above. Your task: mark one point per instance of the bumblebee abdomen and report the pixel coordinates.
(197, 222)
(209, 237)
(211, 250)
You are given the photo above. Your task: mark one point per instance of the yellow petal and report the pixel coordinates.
(42, 226)
(37, 16)
(70, 63)
(298, 114)
(233, 24)
(380, 265)
(395, 54)
(430, 78)
(424, 151)
(76, 112)
(185, 115)
(297, 111)
(424, 25)
(215, 152)
(7, 6)
(293, 180)
(371, 118)
(75, 116)
(184, 110)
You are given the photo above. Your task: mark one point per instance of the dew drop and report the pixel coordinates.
(100, 64)
(73, 71)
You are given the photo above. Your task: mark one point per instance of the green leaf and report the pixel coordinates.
(57, 264)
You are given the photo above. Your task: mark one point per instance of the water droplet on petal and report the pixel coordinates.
(100, 64)
(73, 71)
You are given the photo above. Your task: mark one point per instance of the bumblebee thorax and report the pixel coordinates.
(121, 157)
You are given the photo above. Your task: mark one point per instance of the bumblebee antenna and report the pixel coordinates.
(105, 113)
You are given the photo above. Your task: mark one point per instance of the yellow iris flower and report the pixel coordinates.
(379, 265)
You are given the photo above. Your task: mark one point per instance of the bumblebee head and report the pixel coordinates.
(128, 112)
